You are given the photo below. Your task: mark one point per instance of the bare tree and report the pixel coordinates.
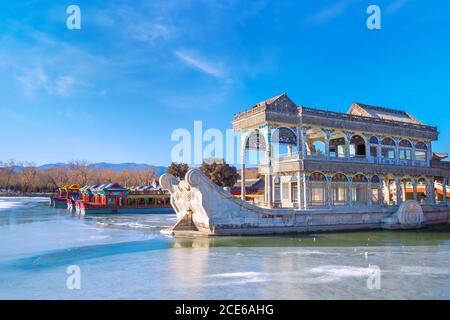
(80, 171)
(26, 177)
(6, 173)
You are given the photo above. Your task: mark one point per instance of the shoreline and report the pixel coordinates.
(26, 194)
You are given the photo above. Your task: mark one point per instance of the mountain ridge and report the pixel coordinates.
(119, 167)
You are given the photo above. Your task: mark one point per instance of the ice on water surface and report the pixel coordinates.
(126, 257)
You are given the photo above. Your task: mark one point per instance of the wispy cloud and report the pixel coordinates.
(396, 5)
(200, 64)
(149, 32)
(330, 12)
(36, 79)
(143, 27)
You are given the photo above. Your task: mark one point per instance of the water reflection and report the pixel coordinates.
(426, 237)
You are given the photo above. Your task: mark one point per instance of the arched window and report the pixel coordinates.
(255, 141)
(405, 143)
(359, 189)
(375, 192)
(255, 146)
(405, 154)
(375, 179)
(373, 140)
(373, 146)
(317, 177)
(359, 178)
(317, 189)
(339, 177)
(339, 184)
(284, 141)
(388, 142)
(283, 135)
(388, 150)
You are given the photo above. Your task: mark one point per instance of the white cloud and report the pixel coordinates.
(200, 64)
(148, 31)
(142, 25)
(35, 79)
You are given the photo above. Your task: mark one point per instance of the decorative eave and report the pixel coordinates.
(281, 110)
(439, 156)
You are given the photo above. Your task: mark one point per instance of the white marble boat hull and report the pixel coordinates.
(204, 208)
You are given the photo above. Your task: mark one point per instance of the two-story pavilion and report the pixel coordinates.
(369, 156)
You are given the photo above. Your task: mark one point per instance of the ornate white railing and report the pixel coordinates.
(356, 159)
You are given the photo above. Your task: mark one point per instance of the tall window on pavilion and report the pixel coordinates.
(277, 189)
(375, 182)
(359, 189)
(318, 148)
(317, 196)
(421, 151)
(294, 189)
(373, 146)
(421, 189)
(337, 145)
(317, 189)
(294, 193)
(357, 147)
(339, 184)
(405, 150)
(388, 148)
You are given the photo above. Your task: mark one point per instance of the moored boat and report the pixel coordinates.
(65, 193)
(113, 198)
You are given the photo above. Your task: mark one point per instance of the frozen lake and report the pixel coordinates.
(125, 257)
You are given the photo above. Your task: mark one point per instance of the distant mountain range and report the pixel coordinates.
(159, 170)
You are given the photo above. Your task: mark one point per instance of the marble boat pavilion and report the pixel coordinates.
(369, 156)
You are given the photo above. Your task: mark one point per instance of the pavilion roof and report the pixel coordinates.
(281, 109)
(361, 109)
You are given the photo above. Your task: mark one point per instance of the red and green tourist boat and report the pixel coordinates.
(66, 193)
(114, 198)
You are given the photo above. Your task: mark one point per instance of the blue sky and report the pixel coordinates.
(116, 89)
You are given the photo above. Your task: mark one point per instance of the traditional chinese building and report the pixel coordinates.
(369, 168)
(369, 156)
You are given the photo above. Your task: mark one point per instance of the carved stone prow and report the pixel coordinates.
(170, 183)
(181, 195)
(409, 216)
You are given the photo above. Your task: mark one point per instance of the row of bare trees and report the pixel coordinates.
(25, 177)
